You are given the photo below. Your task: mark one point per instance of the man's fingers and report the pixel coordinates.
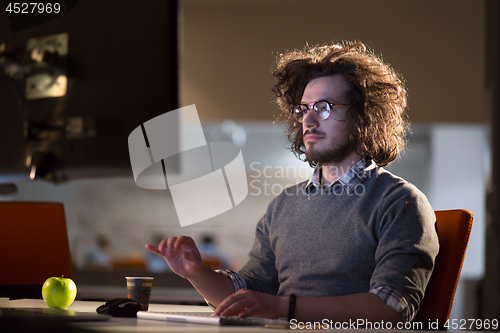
(183, 242)
(169, 246)
(173, 247)
(232, 305)
(164, 245)
(169, 243)
(223, 305)
(251, 311)
(234, 308)
(153, 248)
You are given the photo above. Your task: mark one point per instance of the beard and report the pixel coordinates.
(336, 153)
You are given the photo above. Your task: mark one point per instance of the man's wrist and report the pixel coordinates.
(200, 275)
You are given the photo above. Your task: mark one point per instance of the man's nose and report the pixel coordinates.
(310, 119)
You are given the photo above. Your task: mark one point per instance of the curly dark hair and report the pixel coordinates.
(377, 96)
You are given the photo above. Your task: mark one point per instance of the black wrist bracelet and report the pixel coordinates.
(291, 307)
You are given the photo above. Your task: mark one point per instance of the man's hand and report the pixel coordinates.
(181, 254)
(249, 303)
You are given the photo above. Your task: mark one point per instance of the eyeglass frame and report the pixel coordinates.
(314, 108)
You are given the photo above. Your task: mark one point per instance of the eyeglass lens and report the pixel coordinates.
(321, 109)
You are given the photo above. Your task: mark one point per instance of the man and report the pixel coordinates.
(354, 241)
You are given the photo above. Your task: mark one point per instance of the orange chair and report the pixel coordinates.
(454, 228)
(33, 247)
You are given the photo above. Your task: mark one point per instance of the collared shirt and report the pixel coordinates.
(391, 297)
(348, 180)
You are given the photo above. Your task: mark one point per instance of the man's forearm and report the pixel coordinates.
(214, 287)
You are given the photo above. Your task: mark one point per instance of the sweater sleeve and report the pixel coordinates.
(407, 245)
(260, 271)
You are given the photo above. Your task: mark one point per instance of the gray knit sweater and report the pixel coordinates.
(338, 242)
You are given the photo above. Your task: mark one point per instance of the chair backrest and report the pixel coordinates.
(453, 227)
(33, 244)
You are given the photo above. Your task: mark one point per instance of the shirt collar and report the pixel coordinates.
(348, 180)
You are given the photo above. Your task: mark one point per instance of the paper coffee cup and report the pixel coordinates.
(139, 288)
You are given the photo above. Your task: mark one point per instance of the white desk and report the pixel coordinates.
(150, 326)
(142, 325)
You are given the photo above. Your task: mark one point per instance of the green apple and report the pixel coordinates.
(59, 292)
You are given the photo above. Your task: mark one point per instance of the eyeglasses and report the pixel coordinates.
(322, 109)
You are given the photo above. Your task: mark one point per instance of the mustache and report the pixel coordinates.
(313, 131)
